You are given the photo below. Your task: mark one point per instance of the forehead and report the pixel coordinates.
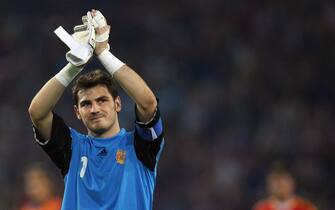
(35, 174)
(93, 93)
(279, 176)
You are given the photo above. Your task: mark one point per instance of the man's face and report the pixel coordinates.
(280, 185)
(98, 110)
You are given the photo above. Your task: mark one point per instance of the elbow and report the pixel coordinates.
(148, 104)
(33, 111)
(146, 110)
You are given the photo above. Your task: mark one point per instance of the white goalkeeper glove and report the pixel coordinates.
(81, 43)
(99, 21)
(107, 59)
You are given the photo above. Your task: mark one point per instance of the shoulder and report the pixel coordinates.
(76, 135)
(74, 132)
(54, 203)
(127, 136)
(264, 204)
(304, 203)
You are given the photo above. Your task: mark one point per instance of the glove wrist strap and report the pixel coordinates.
(110, 62)
(67, 74)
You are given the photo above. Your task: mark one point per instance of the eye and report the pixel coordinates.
(85, 104)
(102, 100)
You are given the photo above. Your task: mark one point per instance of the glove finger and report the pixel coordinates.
(102, 34)
(79, 28)
(84, 19)
(91, 21)
(99, 20)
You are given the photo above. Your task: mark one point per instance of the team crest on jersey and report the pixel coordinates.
(120, 156)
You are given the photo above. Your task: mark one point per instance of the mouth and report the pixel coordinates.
(96, 118)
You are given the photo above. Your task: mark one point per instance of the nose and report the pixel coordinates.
(94, 108)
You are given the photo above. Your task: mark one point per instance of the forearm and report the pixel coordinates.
(138, 90)
(45, 100)
(131, 83)
(127, 78)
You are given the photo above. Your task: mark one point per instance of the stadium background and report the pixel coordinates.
(241, 84)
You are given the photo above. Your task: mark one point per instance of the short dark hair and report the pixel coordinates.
(281, 168)
(92, 79)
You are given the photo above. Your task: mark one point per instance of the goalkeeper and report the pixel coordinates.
(108, 168)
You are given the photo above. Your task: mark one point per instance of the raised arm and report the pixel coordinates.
(40, 109)
(126, 77)
(139, 91)
(81, 50)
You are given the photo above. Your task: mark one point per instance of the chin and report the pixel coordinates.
(99, 131)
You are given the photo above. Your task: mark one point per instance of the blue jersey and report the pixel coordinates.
(116, 173)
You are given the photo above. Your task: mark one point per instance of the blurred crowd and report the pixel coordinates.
(241, 84)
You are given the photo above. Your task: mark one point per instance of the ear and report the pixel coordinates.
(76, 110)
(117, 103)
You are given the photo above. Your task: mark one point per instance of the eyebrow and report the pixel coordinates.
(98, 98)
(101, 97)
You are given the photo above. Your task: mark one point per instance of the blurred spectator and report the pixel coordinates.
(281, 188)
(39, 190)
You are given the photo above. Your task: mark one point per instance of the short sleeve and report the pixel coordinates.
(58, 147)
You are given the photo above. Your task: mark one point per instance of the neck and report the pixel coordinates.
(283, 199)
(106, 133)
